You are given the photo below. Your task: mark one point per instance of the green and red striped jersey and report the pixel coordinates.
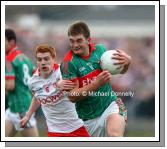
(85, 70)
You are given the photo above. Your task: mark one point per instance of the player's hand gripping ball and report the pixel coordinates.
(107, 63)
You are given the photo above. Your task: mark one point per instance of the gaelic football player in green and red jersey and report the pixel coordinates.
(18, 70)
(102, 112)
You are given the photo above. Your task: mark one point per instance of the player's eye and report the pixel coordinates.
(79, 40)
(71, 41)
(39, 59)
(46, 58)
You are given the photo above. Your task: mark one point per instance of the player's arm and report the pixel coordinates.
(33, 107)
(65, 85)
(78, 94)
(124, 60)
(9, 76)
(9, 84)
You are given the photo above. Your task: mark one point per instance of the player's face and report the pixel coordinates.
(79, 44)
(7, 46)
(45, 63)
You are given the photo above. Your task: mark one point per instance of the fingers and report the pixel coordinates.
(70, 83)
(118, 54)
(22, 126)
(123, 58)
(120, 62)
(117, 57)
(104, 73)
(22, 123)
(105, 76)
(67, 81)
(66, 84)
(68, 87)
(119, 51)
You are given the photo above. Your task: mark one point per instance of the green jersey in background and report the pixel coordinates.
(20, 68)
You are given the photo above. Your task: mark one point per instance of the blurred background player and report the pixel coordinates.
(47, 87)
(102, 115)
(18, 69)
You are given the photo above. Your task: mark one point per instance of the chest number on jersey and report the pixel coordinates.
(26, 74)
(47, 89)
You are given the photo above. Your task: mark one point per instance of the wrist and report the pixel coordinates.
(28, 115)
(96, 83)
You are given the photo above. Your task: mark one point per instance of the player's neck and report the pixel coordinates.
(87, 51)
(46, 75)
(14, 47)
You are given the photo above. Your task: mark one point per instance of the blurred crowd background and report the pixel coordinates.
(127, 27)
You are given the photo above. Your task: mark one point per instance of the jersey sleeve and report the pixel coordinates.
(29, 83)
(101, 48)
(59, 75)
(9, 70)
(68, 71)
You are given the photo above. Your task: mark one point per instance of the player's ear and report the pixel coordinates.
(12, 42)
(54, 59)
(89, 40)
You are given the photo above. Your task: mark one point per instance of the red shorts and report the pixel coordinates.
(81, 132)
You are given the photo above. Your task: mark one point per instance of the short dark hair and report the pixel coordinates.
(10, 35)
(79, 27)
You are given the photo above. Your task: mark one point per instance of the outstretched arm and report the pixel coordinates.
(33, 107)
(77, 93)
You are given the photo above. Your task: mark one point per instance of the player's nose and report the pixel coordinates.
(75, 44)
(43, 61)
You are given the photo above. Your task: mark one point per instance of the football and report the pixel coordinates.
(107, 63)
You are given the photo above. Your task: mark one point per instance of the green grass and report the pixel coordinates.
(140, 134)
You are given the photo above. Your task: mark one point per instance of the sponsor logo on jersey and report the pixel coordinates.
(88, 81)
(52, 99)
(89, 78)
(90, 65)
(82, 69)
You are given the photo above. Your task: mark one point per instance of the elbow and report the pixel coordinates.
(72, 99)
(9, 86)
(12, 87)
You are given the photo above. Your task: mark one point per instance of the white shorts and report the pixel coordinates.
(15, 119)
(97, 127)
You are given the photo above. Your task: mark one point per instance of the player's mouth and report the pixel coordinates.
(44, 68)
(76, 50)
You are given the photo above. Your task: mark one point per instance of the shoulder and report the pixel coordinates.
(100, 47)
(56, 69)
(68, 62)
(56, 66)
(12, 56)
(35, 78)
(68, 57)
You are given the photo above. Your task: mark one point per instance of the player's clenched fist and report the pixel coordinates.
(103, 78)
(24, 121)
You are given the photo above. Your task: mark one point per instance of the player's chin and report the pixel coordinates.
(45, 71)
(79, 53)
